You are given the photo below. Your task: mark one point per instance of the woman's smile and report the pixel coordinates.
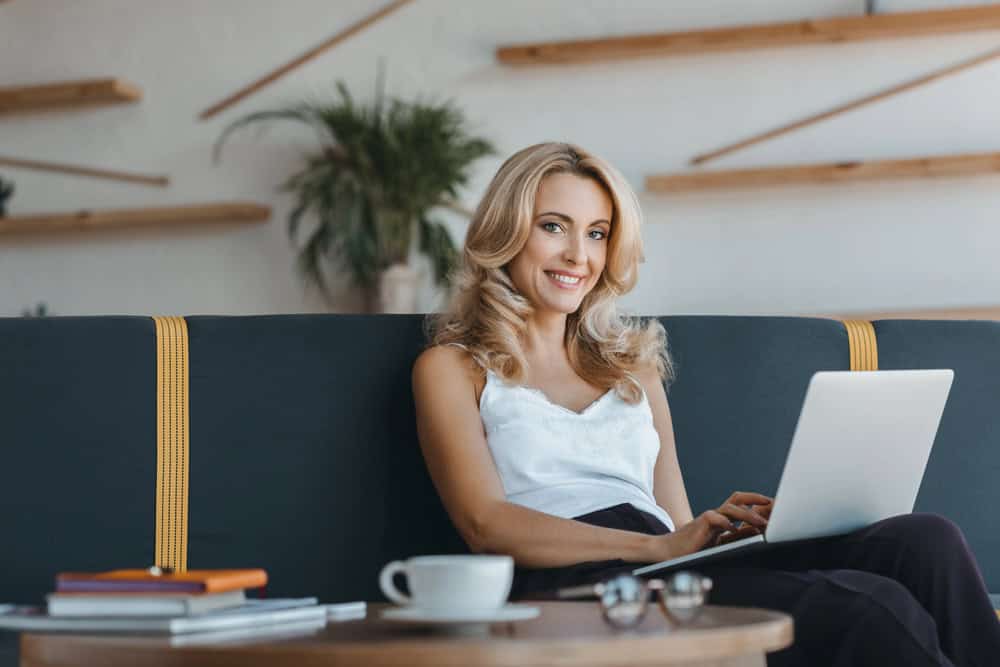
(564, 280)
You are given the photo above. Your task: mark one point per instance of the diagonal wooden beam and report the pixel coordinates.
(76, 170)
(855, 104)
(276, 74)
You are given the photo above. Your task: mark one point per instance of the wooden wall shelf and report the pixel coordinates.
(971, 313)
(833, 172)
(68, 95)
(797, 33)
(138, 217)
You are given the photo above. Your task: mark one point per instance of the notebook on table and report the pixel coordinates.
(143, 581)
(250, 614)
(141, 604)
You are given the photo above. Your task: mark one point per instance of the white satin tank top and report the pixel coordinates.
(565, 463)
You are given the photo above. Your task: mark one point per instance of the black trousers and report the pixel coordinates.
(903, 591)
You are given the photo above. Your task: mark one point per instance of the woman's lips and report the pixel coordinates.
(564, 280)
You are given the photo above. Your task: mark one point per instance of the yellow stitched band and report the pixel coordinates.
(864, 348)
(171, 442)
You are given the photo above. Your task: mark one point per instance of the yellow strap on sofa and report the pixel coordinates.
(864, 348)
(171, 442)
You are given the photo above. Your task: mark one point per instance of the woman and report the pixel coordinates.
(546, 430)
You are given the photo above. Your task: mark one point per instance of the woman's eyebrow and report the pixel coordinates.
(566, 218)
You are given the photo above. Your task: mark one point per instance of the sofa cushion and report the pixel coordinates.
(740, 382)
(79, 448)
(304, 457)
(963, 473)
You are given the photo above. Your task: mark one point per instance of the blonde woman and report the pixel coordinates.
(545, 426)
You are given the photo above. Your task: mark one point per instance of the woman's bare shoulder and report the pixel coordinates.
(649, 378)
(649, 375)
(446, 363)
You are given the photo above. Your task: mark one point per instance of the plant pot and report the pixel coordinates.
(397, 289)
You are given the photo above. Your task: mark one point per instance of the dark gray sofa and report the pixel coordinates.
(303, 453)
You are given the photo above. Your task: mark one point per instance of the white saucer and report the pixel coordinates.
(509, 612)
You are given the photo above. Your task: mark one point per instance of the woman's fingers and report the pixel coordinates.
(712, 530)
(754, 502)
(749, 498)
(739, 513)
(745, 531)
(717, 521)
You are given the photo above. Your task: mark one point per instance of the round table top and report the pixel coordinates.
(565, 633)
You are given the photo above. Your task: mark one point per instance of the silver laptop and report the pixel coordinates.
(858, 456)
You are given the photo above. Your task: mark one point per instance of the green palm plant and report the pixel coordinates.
(379, 172)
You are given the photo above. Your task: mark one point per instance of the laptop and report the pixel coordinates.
(858, 456)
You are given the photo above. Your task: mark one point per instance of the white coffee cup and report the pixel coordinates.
(469, 582)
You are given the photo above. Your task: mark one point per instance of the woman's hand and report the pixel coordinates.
(703, 531)
(714, 527)
(753, 510)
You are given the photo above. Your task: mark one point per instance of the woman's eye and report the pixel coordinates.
(598, 234)
(551, 226)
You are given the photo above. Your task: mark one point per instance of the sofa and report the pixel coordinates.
(302, 457)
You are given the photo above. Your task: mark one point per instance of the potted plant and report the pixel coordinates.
(371, 184)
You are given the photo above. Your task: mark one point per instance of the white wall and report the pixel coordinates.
(877, 246)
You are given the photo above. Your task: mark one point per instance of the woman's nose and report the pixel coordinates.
(576, 250)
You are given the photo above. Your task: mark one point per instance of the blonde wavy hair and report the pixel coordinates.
(488, 317)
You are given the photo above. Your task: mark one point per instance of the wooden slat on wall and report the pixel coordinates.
(833, 172)
(796, 33)
(971, 313)
(139, 217)
(68, 95)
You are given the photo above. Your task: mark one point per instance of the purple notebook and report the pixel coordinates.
(120, 586)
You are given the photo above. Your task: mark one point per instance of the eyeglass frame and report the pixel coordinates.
(660, 588)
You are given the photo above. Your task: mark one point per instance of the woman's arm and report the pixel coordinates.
(460, 464)
(668, 483)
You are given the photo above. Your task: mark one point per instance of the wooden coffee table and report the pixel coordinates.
(566, 633)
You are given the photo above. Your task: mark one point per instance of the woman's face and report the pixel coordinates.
(568, 244)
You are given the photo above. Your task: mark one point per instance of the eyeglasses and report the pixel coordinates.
(624, 598)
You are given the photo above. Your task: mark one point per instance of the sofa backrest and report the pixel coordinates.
(303, 453)
(741, 381)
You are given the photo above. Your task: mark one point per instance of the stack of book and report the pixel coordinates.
(148, 601)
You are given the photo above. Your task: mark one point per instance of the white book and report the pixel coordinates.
(335, 613)
(252, 613)
(267, 633)
(114, 604)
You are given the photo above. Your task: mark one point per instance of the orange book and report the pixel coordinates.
(145, 581)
